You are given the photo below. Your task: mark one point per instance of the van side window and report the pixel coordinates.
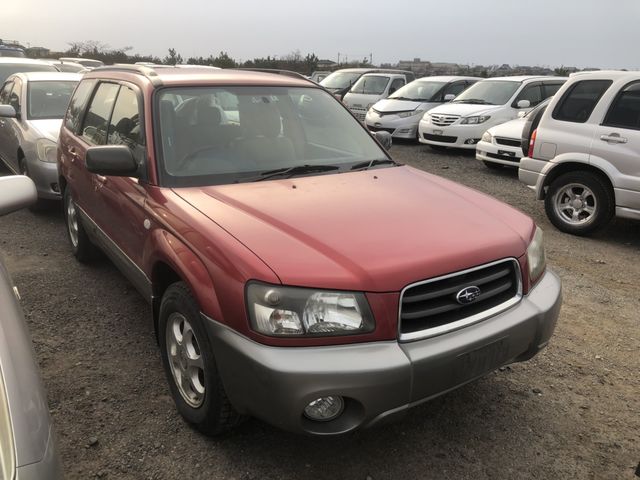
(94, 128)
(396, 84)
(579, 101)
(625, 109)
(455, 88)
(533, 93)
(77, 105)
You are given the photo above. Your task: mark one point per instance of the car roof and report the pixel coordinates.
(524, 78)
(445, 78)
(371, 70)
(197, 75)
(614, 74)
(49, 76)
(17, 60)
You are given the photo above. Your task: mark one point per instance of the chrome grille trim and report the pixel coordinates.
(443, 120)
(466, 321)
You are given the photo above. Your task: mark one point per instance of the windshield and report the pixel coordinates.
(221, 135)
(418, 91)
(340, 80)
(7, 69)
(370, 85)
(489, 92)
(48, 99)
(11, 52)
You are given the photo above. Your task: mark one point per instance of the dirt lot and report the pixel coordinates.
(572, 412)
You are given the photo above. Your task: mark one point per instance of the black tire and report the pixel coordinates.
(214, 414)
(492, 165)
(40, 204)
(82, 248)
(594, 194)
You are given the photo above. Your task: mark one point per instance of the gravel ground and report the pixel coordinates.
(572, 412)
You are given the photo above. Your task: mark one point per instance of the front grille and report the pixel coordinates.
(508, 158)
(430, 308)
(507, 141)
(443, 120)
(360, 113)
(439, 138)
(381, 129)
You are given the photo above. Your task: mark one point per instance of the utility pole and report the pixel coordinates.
(338, 58)
(371, 59)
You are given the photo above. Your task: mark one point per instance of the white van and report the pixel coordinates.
(370, 88)
(401, 112)
(461, 123)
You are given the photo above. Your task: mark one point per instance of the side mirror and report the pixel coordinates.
(16, 192)
(523, 104)
(111, 160)
(7, 111)
(384, 138)
(448, 97)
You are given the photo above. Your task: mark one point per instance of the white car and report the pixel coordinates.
(461, 123)
(401, 112)
(370, 88)
(501, 145)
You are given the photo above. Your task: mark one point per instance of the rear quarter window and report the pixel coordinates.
(579, 100)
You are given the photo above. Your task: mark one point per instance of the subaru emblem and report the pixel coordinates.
(468, 295)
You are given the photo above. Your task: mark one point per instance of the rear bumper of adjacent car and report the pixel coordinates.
(502, 154)
(532, 173)
(379, 380)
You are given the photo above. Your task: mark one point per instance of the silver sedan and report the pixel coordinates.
(32, 106)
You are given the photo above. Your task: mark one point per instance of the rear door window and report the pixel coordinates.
(578, 102)
(78, 104)
(94, 127)
(625, 109)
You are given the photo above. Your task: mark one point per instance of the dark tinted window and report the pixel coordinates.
(550, 89)
(396, 84)
(94, 128)
(533, 93)
(48, 99)
(580, 100)
(78, 104)
(4, 93)
(124, 128)
(455, 88)
(625, 110)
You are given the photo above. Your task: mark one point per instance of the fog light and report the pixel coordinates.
(324, 409)
(471, 141)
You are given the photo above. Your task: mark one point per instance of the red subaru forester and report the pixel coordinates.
(296, 272)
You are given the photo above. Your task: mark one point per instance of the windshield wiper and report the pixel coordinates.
(371, 163)
(291, 171)
(473, 101)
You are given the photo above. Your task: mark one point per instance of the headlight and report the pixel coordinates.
(288, 311)
(411, 113)
(475, 120)
(426, 118)
(46, 150)
(487, 137)
(535, 256)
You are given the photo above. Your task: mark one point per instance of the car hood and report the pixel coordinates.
(511, 129)
(465, 109)
(391, 105)
(376, 230)
(49, 128)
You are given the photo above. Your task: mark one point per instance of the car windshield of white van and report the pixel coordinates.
(419, 91)
(223, 135)
(370, 85)
(489, 92)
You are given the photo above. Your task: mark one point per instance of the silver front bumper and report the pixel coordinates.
(379, 380)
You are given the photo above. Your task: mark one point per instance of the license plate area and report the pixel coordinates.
(482, 360)
(506, 153)
(438, 132)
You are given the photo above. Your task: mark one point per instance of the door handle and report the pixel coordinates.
(73, 153)
(613, 138)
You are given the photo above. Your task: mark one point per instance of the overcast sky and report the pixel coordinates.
(583, 33)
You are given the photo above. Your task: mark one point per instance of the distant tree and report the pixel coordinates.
(223, 60)
(173, 58)
(561, 71)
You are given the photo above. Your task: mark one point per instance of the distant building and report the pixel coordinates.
(326, 64)
(37, 52)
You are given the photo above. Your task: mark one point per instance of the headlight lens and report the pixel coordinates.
(427, 118)
(535, 256)
(475, 120)
(410, 113)
(487, 137)
(46, 150)
(289, 311)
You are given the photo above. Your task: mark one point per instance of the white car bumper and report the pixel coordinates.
(498, 151)
(396, 126)
(455, 136)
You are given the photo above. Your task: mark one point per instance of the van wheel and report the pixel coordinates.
(81, 246)
(579, 203)
(190, 365)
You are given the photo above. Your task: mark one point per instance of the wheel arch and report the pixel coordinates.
(574, 166)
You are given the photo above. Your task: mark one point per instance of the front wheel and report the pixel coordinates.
(190, 365)
(579, 203)
(81, 246)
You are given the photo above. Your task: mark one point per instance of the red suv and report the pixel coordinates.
(296, 272)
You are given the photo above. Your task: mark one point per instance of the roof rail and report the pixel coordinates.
(288, 73)
(144, 70)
